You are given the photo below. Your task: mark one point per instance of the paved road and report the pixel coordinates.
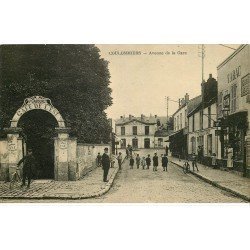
(137, 185)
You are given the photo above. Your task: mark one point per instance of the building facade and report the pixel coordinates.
(234, 108)
(202, 113)
(139, 132)
(178, 139)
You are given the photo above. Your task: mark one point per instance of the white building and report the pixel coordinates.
(234, 105)
(139, 131)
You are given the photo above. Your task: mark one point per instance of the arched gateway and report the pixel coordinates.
(64, 147)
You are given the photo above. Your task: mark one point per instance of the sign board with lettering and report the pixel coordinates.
(37, 102)
(245, 85)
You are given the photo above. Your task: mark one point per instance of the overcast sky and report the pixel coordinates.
(141, 82)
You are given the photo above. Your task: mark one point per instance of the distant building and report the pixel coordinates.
(178, 139)
(139, 131)
(234, 108)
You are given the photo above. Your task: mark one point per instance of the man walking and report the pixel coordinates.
(148, 161)
(155, 162)
(29, 163)
(105, 164)
(131, 162)
(194, 162)
(119, 158)
(165, 163)
(166, 149)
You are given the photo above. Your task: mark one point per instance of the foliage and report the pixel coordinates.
(74, 77)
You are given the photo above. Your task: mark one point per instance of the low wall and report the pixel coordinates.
(86, 157)
(4, 160)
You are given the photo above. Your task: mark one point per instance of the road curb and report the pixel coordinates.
(215, 184)
(99, 193)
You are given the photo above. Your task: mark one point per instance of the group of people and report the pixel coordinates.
(145, 162)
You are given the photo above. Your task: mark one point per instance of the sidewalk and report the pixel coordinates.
(227, 181)
(89, 187)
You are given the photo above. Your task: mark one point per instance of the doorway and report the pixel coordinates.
(146, 143)
(38, 132)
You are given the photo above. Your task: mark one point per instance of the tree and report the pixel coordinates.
(74, 77)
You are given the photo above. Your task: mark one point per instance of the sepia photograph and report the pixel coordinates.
(124, 123)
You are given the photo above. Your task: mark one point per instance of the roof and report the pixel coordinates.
(180, 108)
(194, 104)
(161, 133)
(151, 120)
(232, 55)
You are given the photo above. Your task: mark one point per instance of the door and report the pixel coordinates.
(147, 143)
(135, 143)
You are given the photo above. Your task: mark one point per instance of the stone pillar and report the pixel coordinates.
(61, 154)
(72, 159)
(14, 145)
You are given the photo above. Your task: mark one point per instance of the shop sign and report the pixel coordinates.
(245, 85)
(226, 102)
(234, 74)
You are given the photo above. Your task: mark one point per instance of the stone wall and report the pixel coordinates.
(4, 160)
(86, 157)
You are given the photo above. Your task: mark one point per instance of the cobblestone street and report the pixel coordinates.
(137, 185)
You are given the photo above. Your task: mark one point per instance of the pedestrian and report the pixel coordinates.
(165, 162)
(138, 161)
(214, 161)
(99, 160)
(105, 164)
(29, 163)
(155, 162)
(119, 158)
(112, 165)
(143, 162)
(148, 161)
(199, 154)
(166, 149)
(127, 152)
(130, 151)
(194, 162)
(131, 162)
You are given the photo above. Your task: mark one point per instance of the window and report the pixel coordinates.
(209, 116)
(146, 130)
(146, 143)
(193, 123)
(122, 130)
(134, 130)
(186, 121)
(201, 119)
(123, 143)
(135, 143)
(220, 104)
(233, 98)
(160, 142)
(209, 145)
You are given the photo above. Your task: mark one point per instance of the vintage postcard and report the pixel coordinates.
(166, 123)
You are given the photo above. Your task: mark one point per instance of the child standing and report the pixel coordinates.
(138, 161)
(214, 160)
(148, 161)
(131, 162)
(143, 162)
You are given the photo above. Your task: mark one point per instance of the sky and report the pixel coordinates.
(140, 83)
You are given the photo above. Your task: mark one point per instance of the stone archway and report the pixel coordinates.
(64, 147)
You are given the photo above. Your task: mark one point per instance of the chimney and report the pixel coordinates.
(186, 97)
(130, 117)
(210, 76)
(121, 116)
(155, 116)
(179, 102)
(142, 117)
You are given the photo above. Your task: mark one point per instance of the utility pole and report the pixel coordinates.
(167, 99)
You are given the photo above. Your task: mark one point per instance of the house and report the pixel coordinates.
(139, 131)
